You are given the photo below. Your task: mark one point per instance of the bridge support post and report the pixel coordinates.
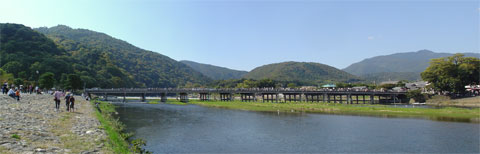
(349, 99)
(143, 97)
(372, 100)
(323, 98)
(184, 97)
(276, 98)
(363, 99)
(163, 97)
(357, 98)
(106, 96)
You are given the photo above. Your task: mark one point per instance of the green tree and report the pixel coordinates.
(47, 80)
(451, 74)
(266, 83)
(5, 77)
(74, 81)
(13, 67)
(291, 85)
(18, 81)
(417, 95)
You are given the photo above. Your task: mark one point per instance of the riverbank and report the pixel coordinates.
(116, 140)
(461, 102)
(448, 113)
(32, 125)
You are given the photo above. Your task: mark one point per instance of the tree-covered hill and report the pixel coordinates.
(399, 66)
(23, 52)
(102, 53)
(215, 72)
(307, 72)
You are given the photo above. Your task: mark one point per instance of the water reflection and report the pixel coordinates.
(194, 129)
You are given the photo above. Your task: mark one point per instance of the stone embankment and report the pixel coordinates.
(33, 125)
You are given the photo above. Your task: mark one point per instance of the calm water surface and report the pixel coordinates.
(195, 129)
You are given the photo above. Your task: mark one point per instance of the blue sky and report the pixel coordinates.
(244, 34)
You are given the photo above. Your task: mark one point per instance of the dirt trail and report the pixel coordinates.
(32, 125)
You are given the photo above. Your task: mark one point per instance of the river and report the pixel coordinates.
(195, 129)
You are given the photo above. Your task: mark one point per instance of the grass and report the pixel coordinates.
(152, 102)
(16, 136)
(439, 100)
(448, 113)
(68, 139)
(116, 139)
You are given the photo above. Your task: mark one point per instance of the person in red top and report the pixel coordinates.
(17, 94)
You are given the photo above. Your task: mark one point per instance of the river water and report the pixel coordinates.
(194, 129)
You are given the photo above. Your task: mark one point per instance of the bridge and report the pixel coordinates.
(347, 96)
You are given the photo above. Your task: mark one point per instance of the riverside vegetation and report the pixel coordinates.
(446, 114)
(117, 137)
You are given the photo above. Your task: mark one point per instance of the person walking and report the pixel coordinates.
(72, 103)
(58, 95)
(67, 100)
(4, 88)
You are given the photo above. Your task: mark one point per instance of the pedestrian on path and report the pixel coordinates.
(58, 95)
(67, 100)
(72, 103)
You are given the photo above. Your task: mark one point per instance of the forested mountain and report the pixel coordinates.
(215, 72)
(23, 52)
(306, 72)
(399, 66)
(117, 63)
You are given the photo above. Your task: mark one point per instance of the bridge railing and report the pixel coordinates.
(239, 90)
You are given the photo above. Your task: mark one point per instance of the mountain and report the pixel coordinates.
(99, 54)
(215, 72)
(307, 72)
(398, 66)
(24, 51)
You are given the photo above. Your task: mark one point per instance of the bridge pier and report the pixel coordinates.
(372, 100)
(105, 96)
(247, 97)
(226, 97)
(143, 99)
(184, 97)
(270, 97)
(204, 96)
(163, 97)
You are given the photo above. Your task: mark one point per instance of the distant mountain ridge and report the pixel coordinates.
(398, 66)
(215, 72)
(147, 68)
(306, 72)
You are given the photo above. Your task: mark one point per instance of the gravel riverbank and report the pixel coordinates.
(32, 125)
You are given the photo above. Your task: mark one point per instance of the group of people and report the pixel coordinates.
(12, 92)
(69, 100)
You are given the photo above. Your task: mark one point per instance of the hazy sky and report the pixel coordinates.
(244, 34)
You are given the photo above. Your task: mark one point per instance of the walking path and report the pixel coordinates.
(32, 125)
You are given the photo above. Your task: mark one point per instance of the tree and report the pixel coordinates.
(13, 67)
(417, 95)
(451, 74)
(74, 81)
(46, 80)
(18, 81)
(266, 83)
(5, 77)
(291, 85)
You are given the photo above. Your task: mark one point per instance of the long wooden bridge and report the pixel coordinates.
(348, 96)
